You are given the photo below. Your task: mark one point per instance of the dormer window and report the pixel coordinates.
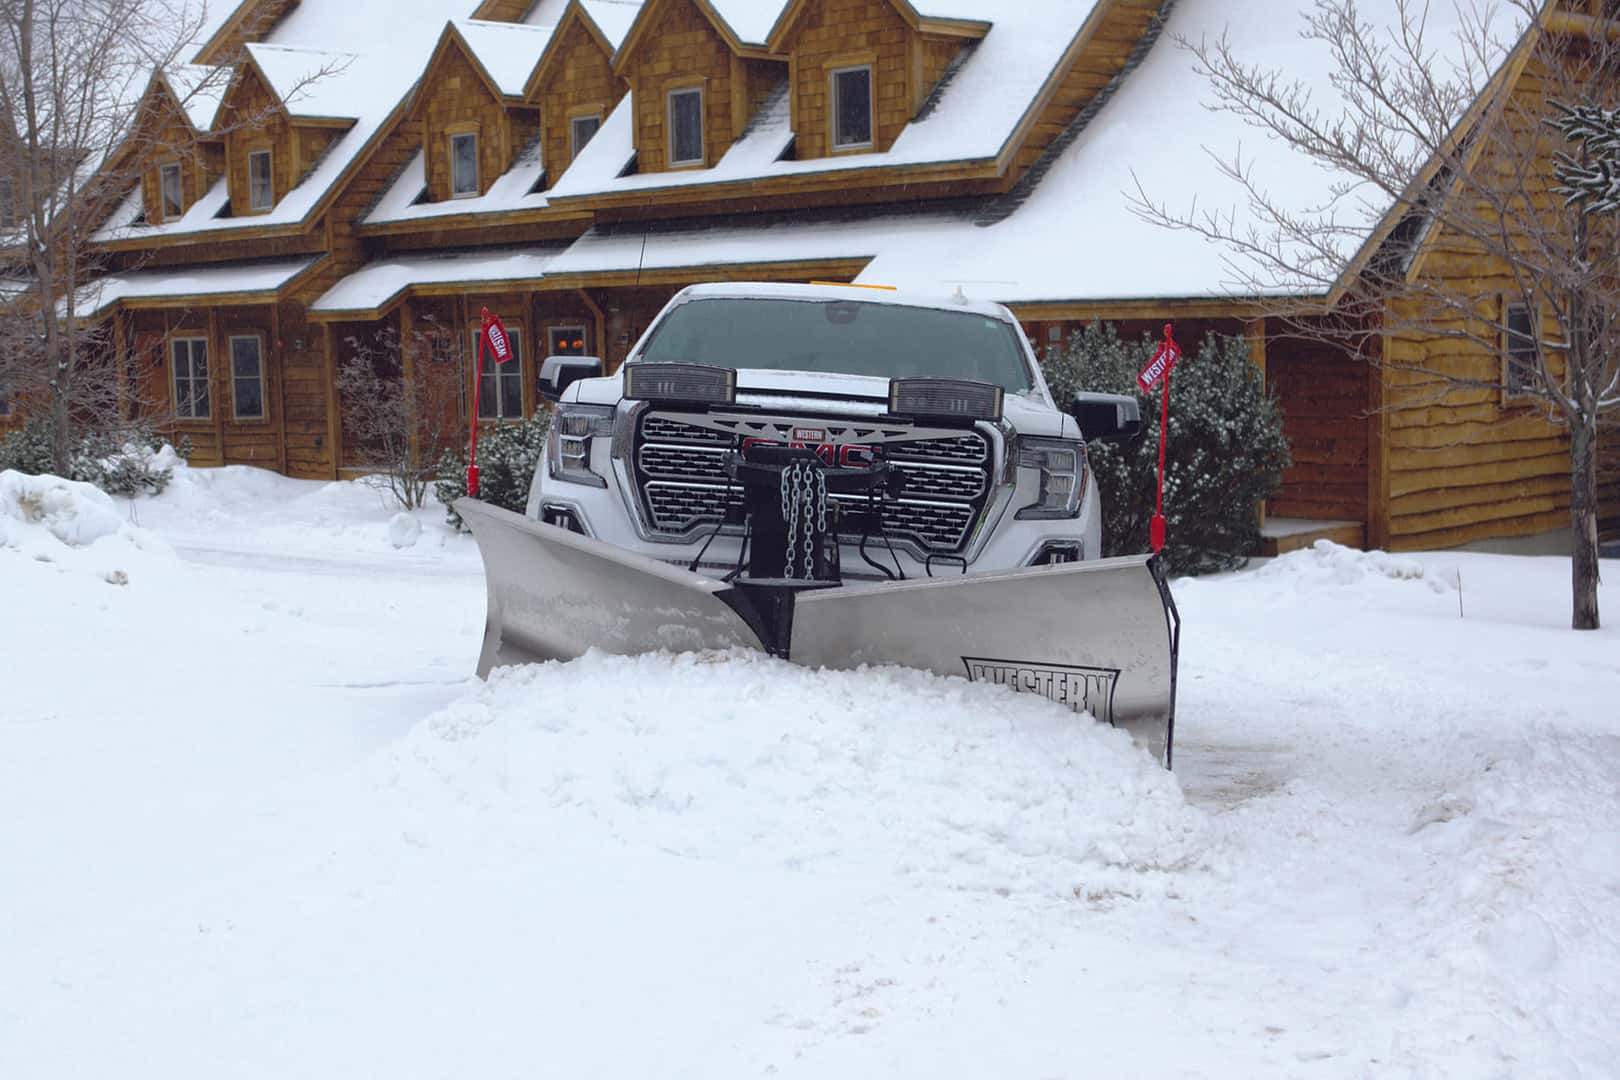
(581, 129)
(261, 188)
(851, 113)
(171, 191)
(463, 164)
(686, 126)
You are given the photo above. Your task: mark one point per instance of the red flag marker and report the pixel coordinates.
(491, 333)
(1158, 371)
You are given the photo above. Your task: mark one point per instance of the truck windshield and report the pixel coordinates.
(841, 336)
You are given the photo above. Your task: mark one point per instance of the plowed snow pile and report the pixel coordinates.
(741, 758)
(74, 525)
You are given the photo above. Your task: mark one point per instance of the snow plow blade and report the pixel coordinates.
(554, 594)
(1099, 637)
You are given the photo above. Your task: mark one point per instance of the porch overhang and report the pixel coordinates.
(219, 285)
(374, 290)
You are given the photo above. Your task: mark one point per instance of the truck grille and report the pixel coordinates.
(680, 475)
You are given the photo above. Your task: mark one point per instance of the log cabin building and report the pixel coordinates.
(374, 167)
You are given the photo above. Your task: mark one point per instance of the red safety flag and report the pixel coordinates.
(1163, 360)
(500, 346)
(491, 335)
(1158, 371)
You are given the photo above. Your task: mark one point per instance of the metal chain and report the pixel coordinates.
(790, 513)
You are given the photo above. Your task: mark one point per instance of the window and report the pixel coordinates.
(261, 189)
(1519, 350)
(190, 378)
(5, 402)
(566, 340)
(170, 190)
(464, 165)
(581, 129)
(686, 126)
(852, 107)
(500, 393)
(247, 377)
(848, 336)
(8, 204)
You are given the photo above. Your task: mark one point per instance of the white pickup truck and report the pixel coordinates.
(990, 471)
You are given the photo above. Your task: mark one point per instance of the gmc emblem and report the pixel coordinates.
(834, 456)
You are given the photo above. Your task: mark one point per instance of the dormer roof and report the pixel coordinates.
(606, 21)
(952, 18)
(198, 90)
(743, 25)
(309, 83)
(506, 54)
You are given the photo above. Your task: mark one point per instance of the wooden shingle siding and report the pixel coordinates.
(682, 48)
(255, 121)
(455, 97)
(578, 78)
(831, 33)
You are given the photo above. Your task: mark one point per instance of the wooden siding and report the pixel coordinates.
(836, 33)
(454, 97)
(578, 79)
(681, 49)
(1464, 465)
(255, 120)
(1323, 389)
(503, 10)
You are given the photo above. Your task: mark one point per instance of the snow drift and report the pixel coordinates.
(738, 757)
(52, 520)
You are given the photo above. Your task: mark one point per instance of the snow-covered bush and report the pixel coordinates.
(507, 456)
(1226, 453)
(129, 461)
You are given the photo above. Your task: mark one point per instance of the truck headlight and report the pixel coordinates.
(1062, 464)
(568, 446)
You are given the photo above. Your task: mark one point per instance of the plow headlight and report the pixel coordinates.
(568, 453)
(1062, 465)
(945, 399)
(688, 383)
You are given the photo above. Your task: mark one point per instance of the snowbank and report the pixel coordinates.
(1326, 564)
(736, 757)
(52, 520)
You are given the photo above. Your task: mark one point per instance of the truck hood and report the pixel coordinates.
(1029, 413)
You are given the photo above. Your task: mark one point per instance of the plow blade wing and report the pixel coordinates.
(1100, 637)
(554, 594)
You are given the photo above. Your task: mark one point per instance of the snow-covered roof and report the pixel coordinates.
(226, 280)
(309, 81)
(512, 190)
(758, 240)
(613, 17)
(1075, 235)
(375, 285)
(995, 84)
(200, 90)
(749, 20)
(388, 43)
(507, 51)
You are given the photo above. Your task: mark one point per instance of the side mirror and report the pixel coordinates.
(557, 373)
(1110, 417)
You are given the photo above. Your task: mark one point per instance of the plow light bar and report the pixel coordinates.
(945, 399)
(695, 383)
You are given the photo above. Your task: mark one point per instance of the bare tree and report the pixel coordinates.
(1443, 131)
(73, 75)
(402, 406)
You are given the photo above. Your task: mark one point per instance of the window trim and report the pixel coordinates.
(835, 69)
(1506, 340)
(180, 190)
(264, 402)
(584, 334)
(574, 145)
(671, 92)
(191, 377)
(514, 333)
(450, 148)
(268, 153)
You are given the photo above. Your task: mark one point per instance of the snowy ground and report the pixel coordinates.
(256, 821)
